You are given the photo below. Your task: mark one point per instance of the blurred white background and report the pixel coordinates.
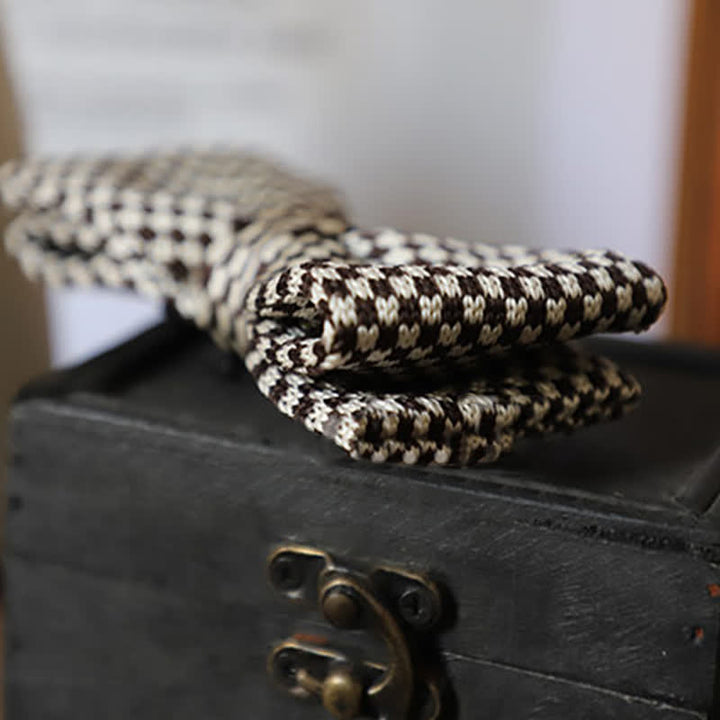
(543, 122)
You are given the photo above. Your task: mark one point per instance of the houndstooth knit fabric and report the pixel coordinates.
(398, 347)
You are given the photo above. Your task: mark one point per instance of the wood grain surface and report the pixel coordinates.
(139, 531)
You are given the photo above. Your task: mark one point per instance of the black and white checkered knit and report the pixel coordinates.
(398, 347)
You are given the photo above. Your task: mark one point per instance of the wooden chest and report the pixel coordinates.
(167, 530)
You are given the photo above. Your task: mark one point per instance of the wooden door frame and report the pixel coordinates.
(696, 284)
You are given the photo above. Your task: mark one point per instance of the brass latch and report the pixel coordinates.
(391, 605)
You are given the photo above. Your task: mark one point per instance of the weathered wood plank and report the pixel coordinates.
(198, 515)
(114, 648)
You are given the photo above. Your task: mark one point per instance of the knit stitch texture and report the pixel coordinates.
(398, 347)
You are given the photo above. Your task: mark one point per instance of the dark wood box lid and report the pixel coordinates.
(663, 457)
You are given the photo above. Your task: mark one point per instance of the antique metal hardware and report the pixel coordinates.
(391, 605)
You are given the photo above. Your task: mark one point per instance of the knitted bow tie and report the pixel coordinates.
(398, 347)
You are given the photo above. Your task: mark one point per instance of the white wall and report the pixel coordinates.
(545, 122)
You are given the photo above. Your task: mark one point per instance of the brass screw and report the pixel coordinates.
(286, 573)
(285, 668)
(417, 607)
